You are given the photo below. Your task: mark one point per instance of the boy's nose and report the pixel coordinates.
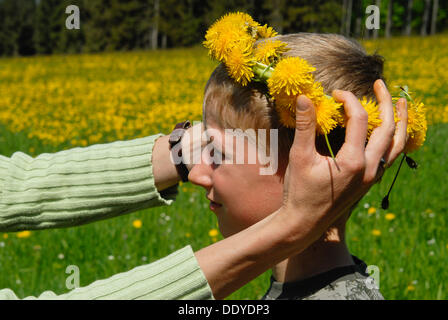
(200, 175)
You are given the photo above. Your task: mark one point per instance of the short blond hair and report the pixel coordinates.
(340, 62)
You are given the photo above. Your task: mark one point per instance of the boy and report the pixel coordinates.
(240, 196)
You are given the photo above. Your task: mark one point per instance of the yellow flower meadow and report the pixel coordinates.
(137, 224)
(80, 100)
(106, 97)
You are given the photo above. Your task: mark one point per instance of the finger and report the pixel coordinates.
(400, 136)
(305, 135)
(356, 128)
(381, 136)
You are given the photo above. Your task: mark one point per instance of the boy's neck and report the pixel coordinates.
(325, 254)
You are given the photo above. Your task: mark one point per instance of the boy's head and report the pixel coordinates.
(240, 195)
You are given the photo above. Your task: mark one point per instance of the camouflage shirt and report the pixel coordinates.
(343, 283)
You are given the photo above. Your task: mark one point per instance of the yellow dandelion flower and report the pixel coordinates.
(240, 19)
(137, 224)
(417, 126)
(266, 32)
(389, 216)
(373, 113)
(188, 235)
(286, 117)
(327, 111)
(230, 29)
(213, 233)
(315, 93)
(220, 40)
(415, 142)
(410, 288)
(371, 210)
(292, 76)
(239, 63)
(5, 236)
(285, 101)
(376, 232)
(268, 51)
(23, 234)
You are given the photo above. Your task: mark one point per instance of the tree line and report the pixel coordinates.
(29, 27)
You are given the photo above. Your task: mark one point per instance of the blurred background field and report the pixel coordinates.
(53, 102)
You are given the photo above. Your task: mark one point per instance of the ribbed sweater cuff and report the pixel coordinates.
(78, 186)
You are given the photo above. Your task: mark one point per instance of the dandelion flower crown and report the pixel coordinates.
(231, 40)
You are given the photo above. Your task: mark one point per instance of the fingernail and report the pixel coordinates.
(336, 92)
(302, 103)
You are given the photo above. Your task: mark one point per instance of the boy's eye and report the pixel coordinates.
(217, 157)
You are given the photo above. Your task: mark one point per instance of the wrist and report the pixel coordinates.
(192, 144)
(164, 171)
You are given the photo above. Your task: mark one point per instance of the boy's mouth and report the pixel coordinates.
(214, 205)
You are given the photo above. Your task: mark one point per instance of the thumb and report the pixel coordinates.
(305, 134)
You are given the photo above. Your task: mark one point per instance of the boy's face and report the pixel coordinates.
(239, 195)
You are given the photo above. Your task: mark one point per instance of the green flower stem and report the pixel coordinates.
(262, 71)
(329, 148)
(405, 94)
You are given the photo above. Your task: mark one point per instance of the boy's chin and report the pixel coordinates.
(227, 231)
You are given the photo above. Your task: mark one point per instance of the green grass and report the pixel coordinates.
(411, 250)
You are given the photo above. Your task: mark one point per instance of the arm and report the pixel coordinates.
(78, 186)
(176, 276)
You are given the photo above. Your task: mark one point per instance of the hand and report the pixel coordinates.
(318, 184)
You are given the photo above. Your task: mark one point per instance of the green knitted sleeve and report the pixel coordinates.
(176, 276)
(82, 185)
(78, 186)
